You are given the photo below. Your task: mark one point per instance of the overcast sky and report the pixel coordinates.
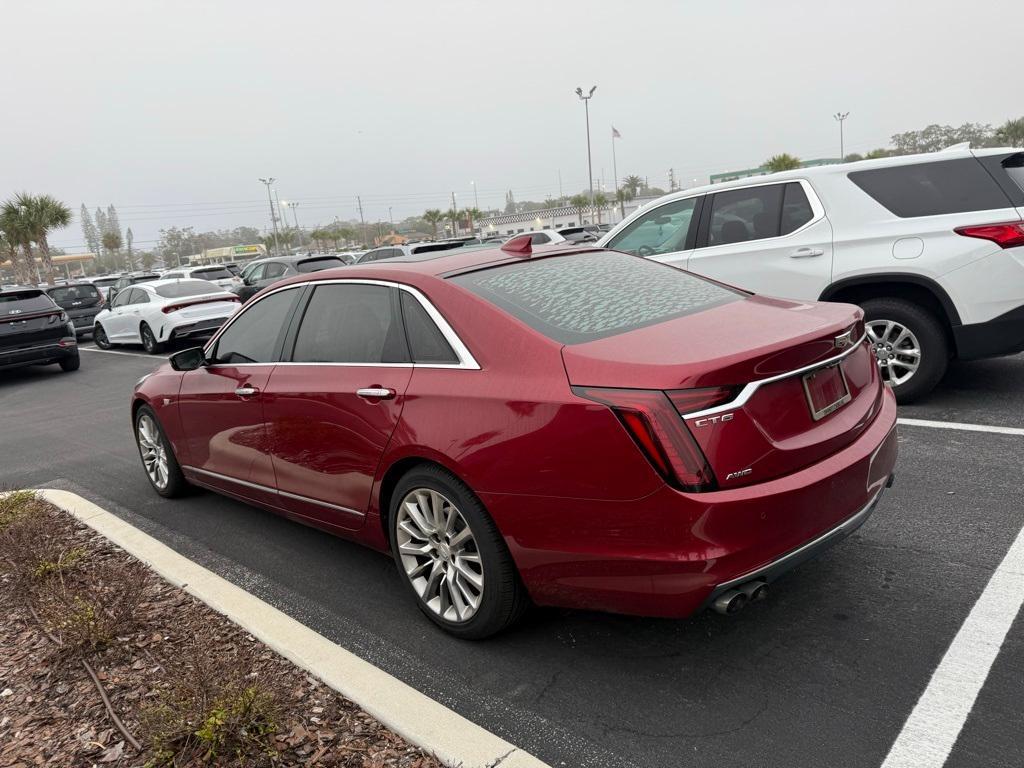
(171, 110)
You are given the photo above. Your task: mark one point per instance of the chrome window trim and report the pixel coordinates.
(817, 211)
(749, 389)
(466, 359)
(267, 488)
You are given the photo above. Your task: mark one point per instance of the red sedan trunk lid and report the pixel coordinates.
(754, 346)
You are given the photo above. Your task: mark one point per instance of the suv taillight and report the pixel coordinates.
(651, 419)
(1007, 235)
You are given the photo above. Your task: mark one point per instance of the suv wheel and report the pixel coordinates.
(452, 557)
(909, 344)
(71, 363)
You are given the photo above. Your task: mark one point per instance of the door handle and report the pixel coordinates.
(803, 253)
(376, 393)
(246, 391)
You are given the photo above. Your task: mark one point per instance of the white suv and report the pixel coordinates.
(931, 246)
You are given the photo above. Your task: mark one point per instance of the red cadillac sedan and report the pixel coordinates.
(578, 428)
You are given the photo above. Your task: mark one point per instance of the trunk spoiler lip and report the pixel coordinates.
(749, 389)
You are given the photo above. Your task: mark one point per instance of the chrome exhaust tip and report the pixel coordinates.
(730, 602)
(755, 590)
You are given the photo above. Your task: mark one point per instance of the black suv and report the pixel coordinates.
(259, 274)
(35, 331)
(80, 301)
(129, 278)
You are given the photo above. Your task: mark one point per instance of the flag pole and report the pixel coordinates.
(615, 172)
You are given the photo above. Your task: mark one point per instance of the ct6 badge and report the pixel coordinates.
(713, 420)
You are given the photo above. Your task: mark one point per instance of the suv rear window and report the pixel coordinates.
(212, 273)
(24, 301)
(315, 265)
(588, 296)
(183, 288)
(931, 189)
(74, 293)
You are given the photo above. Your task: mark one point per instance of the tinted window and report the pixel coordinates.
(796, 209)
(539, 239)
(350, 324)
(739, 215)
(383, 253)
(71, 293)
(253, 336)
(211, 273)
(590, 296)
(426, 342)
(143, 279)
(315, 265)
(186, 288)
(660, 230)
(930, 189)
(137, 296)
(274, 269)
(24, 301)
(173, 276)
(122, 298)
(104, 282)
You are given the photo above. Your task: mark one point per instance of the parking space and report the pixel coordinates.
(823, 673)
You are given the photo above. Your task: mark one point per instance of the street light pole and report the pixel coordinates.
(273, 217)
(295, 216)
(840, 117)
(476, 200)
(586, 109)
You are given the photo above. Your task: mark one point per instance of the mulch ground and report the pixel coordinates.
(51, 712)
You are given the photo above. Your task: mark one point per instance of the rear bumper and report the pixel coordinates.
(39, 354)
(83, 320)
(1002, 335)
(201, 329)
(668, 553)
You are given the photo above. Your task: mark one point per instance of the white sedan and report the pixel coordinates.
(155, 313)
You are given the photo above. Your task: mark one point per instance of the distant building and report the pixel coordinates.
(718, 178)
(229, 253)
(505, 224)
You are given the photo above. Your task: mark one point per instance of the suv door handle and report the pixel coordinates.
(803, 253)
(246, 391)
(376, 393)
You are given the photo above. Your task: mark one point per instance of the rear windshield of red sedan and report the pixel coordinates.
(588, 296)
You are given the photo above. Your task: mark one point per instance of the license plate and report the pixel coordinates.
(827, 391)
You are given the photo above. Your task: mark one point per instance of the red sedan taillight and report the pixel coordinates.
(1007, 235)
(652, 419)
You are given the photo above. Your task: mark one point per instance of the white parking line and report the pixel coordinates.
(932, 729)
(116, 352)
(961, 426)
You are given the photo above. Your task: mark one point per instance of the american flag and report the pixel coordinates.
(615, 133)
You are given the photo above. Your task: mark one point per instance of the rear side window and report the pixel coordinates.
(426, 342)
(273, 269)
(739, 215)
(252, 337)
(932, 189)
(351, 323)
(24, 301)
(587, 296)
(315, 265)
(796, 209)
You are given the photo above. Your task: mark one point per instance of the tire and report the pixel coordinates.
(99, 337)
(501, 598)
(149, 342)
(72, 363)
(149, 436)
(891, 320)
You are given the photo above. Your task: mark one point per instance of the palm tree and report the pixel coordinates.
(1011, 133)
(17, 229)
(9, 247)
(453, 217)
(623, 196)
(600, 203)
(43, 213)
(433, 217)
(634, 184)
(783, 162)
(112, 245)
(580, 203)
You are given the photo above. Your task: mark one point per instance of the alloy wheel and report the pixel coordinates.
(896, 349)
(151, 447)
(439, 554)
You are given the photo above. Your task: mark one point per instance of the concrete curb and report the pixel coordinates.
(419, 719)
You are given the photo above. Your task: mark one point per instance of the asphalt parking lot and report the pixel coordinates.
(825, 672)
